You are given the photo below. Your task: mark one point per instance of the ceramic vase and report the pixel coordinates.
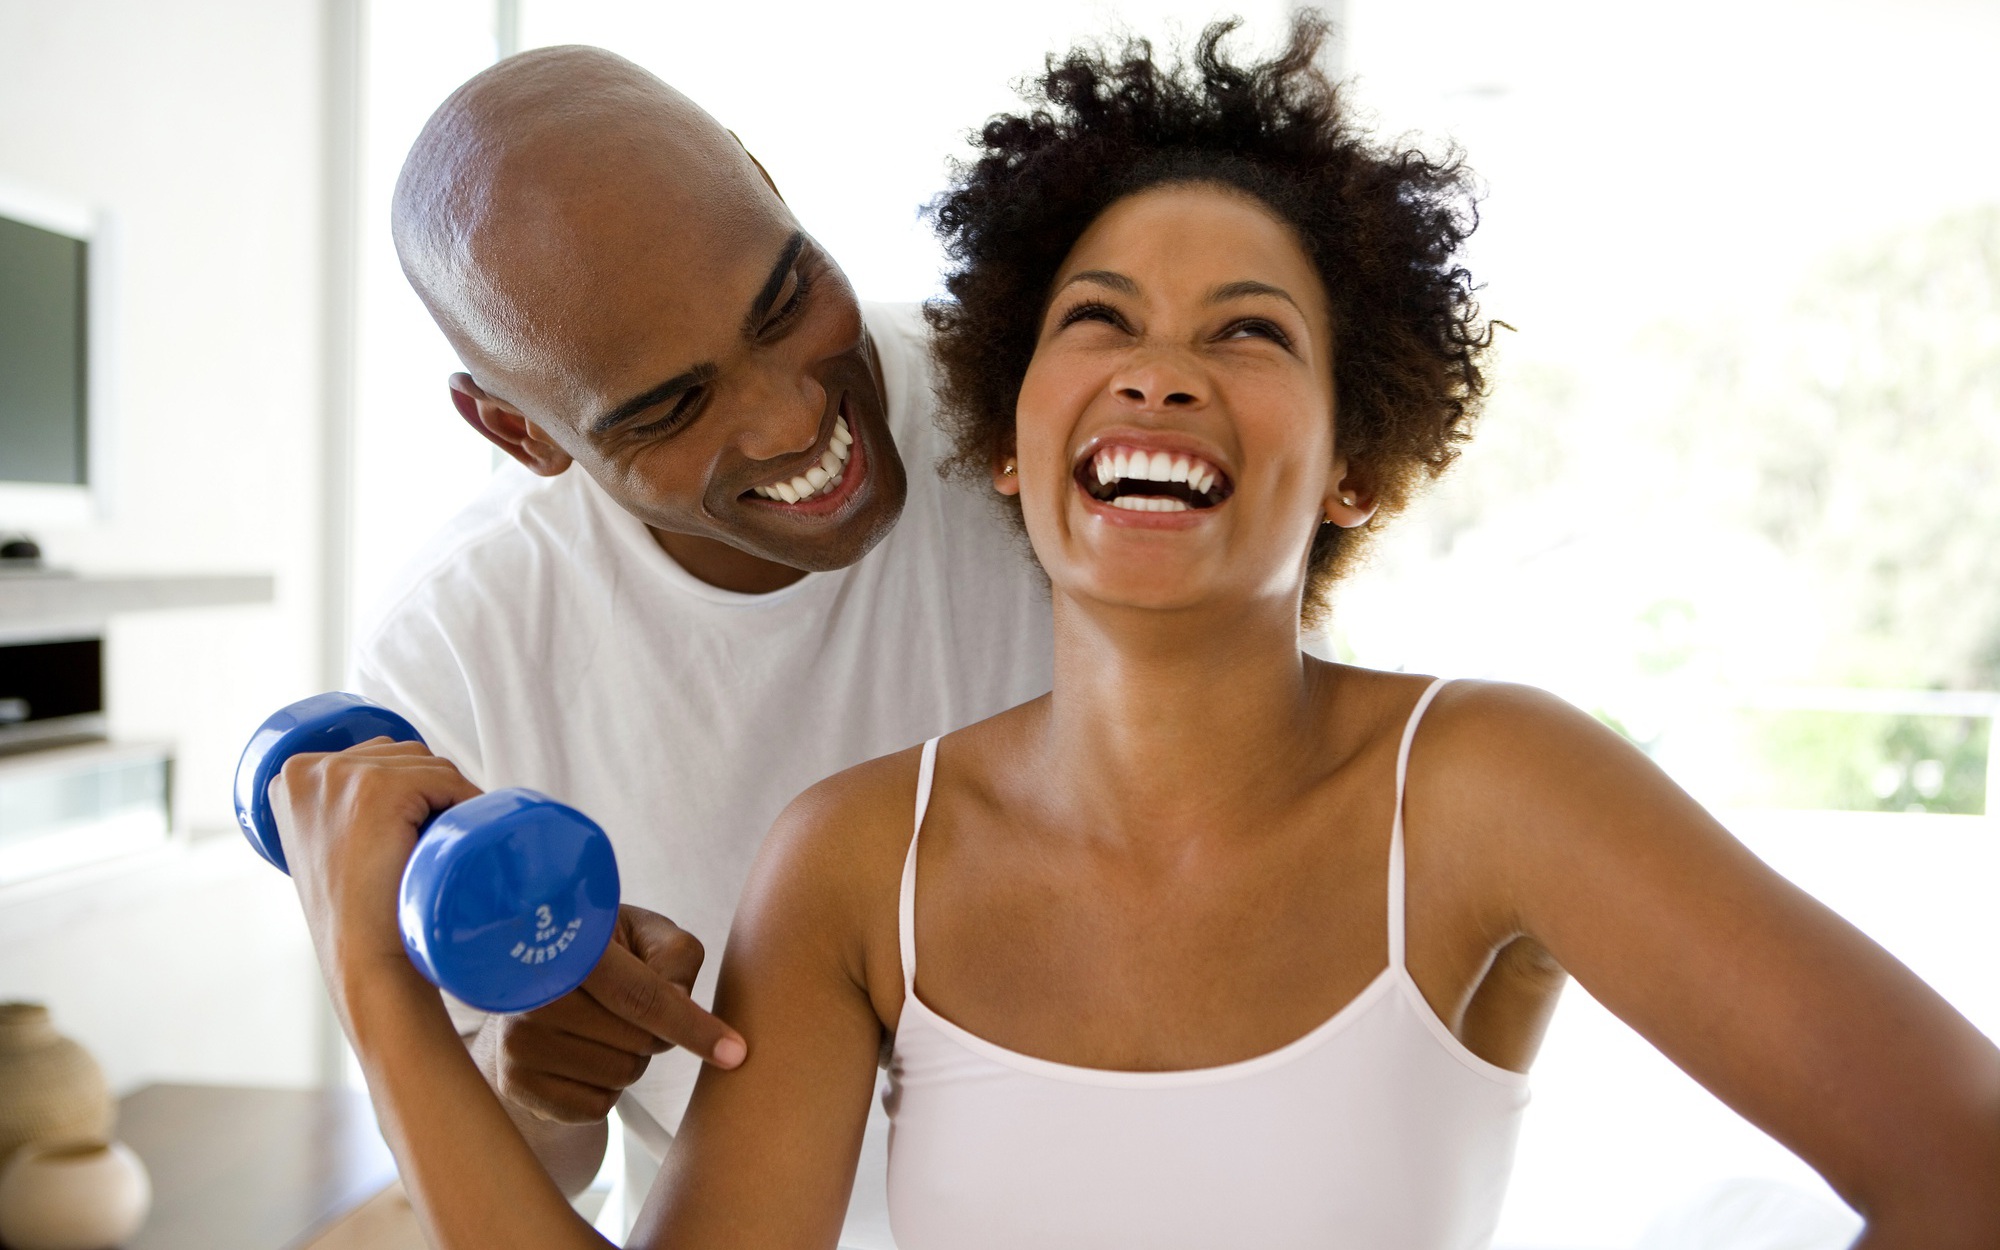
(51, 1090)
(79, 1196)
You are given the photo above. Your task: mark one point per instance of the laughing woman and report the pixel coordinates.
(1217, 944)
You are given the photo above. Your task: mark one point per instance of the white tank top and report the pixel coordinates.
(1378, 1130)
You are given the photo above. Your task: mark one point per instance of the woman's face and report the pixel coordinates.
(1175, 432)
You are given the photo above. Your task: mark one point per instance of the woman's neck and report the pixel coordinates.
(1166, 722)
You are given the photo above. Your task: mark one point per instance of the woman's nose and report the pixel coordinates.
(1159, 381)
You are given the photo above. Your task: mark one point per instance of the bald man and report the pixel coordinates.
(720, 567)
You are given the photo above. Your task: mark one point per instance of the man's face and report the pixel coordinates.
(702, 359)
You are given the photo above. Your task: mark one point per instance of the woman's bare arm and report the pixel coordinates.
(766, 1161)
(1770, 1000)
(349, 823)
(766, 1153)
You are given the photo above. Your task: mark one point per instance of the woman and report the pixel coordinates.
(1215, 944)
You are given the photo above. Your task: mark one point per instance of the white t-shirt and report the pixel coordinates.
(545, 640)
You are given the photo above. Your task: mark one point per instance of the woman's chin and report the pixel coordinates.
(1126, 590)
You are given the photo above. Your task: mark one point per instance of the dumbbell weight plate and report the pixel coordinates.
(325, 722)
(509, 900)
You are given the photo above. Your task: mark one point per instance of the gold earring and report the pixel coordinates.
(1008, 470)
(1347, 500)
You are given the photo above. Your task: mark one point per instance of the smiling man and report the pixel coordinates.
(711, 582)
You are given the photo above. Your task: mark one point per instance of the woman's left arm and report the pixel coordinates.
(1778, 1006)
(349, 822)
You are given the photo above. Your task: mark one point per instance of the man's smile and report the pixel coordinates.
(829, 482)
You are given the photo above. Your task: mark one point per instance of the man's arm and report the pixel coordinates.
(571, 1154)
(559, 1069)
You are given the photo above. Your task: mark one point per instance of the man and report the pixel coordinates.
(727, 570)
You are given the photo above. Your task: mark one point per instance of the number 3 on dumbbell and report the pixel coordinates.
(479, 896)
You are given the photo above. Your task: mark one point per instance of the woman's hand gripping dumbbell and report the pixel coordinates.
(352, 808)
(508, 898)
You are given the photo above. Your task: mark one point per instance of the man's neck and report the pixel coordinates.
(725, 567)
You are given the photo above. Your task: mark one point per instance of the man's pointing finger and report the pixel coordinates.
(632, 990)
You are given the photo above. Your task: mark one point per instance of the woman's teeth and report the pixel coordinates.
(823, 478)
(1154, 481)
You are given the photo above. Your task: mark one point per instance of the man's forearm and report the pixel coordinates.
(570, 1153)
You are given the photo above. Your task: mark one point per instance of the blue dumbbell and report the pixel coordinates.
(509, 899)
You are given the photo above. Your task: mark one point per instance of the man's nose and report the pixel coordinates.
(1160, 381)
(782, 410)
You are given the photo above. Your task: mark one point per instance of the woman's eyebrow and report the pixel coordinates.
(1104, 278)
(1234, 290)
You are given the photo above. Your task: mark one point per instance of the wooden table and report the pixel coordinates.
(263, 1169)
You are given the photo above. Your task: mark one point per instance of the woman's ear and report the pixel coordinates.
(505, 428)
(1007, 475)
(1350, 497)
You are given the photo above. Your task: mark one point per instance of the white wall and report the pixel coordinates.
(190, 963)
(415, 462)
(854, 109)
(195, 128)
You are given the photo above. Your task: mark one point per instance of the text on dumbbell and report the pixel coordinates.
(541, 953)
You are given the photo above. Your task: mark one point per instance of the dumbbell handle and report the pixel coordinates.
(509, 899)
(333, 721)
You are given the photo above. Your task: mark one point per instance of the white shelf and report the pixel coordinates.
(32, 599)
(69, 806)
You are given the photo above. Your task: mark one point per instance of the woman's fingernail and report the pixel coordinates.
(729, 1052)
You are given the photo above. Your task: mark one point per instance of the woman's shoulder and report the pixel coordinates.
(1482, 725)
(1484, 748)
(1511, 779)
(1473, 715)
(846, 830)
(827, 874)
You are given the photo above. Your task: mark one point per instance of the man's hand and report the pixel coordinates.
(568, 1062)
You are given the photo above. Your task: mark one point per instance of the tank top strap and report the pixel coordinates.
(1396, 884)
(906, 901)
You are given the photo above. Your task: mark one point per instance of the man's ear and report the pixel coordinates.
(762, 172)
(1350, 497)
(505, 428)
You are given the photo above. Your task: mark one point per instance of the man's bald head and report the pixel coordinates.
(631, 297)
(538, 181)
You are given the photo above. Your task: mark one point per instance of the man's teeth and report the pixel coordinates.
(1118, 464)
(822, 477)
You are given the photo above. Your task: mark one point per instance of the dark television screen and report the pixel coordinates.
(42, 355)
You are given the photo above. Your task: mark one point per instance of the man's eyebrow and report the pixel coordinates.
(760, 307)
(1235, 290)
(658, 395)
(1105, 278)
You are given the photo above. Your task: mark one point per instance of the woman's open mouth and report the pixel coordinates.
(1141, 480)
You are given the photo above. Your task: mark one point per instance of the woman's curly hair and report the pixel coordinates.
(1383, 227)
